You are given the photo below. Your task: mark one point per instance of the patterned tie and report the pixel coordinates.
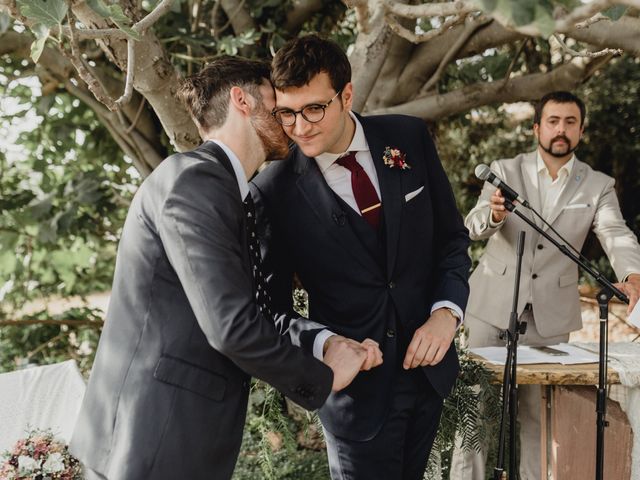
(363, 190)
(262, 297)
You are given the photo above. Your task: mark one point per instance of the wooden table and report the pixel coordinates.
(568, 419)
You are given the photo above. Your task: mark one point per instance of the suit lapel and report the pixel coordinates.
(527, 165)
(576, 177)
(330, 214)
(390, 182)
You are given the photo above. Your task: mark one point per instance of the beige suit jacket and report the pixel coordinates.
(549, 279)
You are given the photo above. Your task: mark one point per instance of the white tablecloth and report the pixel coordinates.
(40, 397)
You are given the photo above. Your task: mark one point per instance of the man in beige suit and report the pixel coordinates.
(574, 199)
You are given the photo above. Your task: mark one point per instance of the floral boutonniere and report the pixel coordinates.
(394, 158)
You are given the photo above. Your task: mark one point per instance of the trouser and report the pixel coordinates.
(471, 465)
(400, 450)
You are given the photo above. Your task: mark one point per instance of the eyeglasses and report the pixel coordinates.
(312, 113)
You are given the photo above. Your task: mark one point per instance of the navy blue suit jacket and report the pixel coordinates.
(383, 289)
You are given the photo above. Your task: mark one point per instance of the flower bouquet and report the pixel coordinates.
(39, 456)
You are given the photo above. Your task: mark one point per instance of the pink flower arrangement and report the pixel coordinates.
(394, 158)
(39, 456)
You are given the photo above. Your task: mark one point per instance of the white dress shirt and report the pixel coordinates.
(548, 188)
(238, 169)
(339, 180)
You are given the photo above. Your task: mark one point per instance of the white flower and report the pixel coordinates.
(27, 465)
(54, 463)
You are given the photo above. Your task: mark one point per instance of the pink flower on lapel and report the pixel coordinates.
(394, 158)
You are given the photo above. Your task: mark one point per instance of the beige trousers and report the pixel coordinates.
(472, 465)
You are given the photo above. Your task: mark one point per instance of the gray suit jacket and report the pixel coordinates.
(168, 391)
(549, 279)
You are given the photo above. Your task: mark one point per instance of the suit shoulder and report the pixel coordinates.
(274, 173)
(395, 121)
(596, 177)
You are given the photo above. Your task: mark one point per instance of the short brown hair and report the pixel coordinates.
(559, 97)
(206, 93)
(301, 59)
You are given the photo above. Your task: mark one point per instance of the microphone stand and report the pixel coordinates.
(509, 381)
(606, 293)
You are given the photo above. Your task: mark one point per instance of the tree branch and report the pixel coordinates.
(525, 88)
(369, 53)
(301, 11)
(458, 7)
(73, 323)
(585, 53)
(622, 34)
(238, 16)
(75, 58)
(129, 74)
(471, 27)
(425, 58)
(413, 37)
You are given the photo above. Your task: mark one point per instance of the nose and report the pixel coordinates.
(302, 126)
(561, 128)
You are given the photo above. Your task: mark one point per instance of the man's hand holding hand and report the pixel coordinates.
(347, 357)
(374, 354)
(431, 341)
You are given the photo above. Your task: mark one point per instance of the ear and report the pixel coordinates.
(536, 130)
(347, 96)
(241, 100)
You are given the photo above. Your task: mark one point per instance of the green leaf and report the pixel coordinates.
(523, 11)
(48, 12)
(48, 232)
(614, 13)
(114, 13)
(41, 32)
(41, 207)
(8, 263)
(127, 29)
(544, 21)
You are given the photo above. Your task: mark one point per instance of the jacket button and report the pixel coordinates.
(534, 276)
(540, 247)
(392, 285)
(391, 333)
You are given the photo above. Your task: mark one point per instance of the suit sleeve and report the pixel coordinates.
(201, 228)
(618, 241)
(451, 236)
(478, 220)
(280, 276)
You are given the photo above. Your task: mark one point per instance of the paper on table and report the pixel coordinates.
(528, 355)
(634, 318)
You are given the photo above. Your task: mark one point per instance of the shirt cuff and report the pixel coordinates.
(493, 224)
(452, 306)
(318, 343)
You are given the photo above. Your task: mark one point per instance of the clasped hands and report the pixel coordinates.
(428, 346)
(347, 358)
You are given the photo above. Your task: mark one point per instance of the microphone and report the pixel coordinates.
(486, 174)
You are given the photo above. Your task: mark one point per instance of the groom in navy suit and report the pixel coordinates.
(363, 213)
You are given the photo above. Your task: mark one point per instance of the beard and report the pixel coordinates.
(556, 153)
(274, 141)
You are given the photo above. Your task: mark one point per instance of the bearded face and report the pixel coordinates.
(270, 133)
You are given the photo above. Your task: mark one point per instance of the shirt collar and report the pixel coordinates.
(358, 144)
(241, 177)
(564, 171)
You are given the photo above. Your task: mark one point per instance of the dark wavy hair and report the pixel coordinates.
(301, 59)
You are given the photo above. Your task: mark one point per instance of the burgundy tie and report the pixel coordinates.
(363, 190)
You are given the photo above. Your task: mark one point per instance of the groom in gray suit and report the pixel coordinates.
(168, 392)
(574, 199)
